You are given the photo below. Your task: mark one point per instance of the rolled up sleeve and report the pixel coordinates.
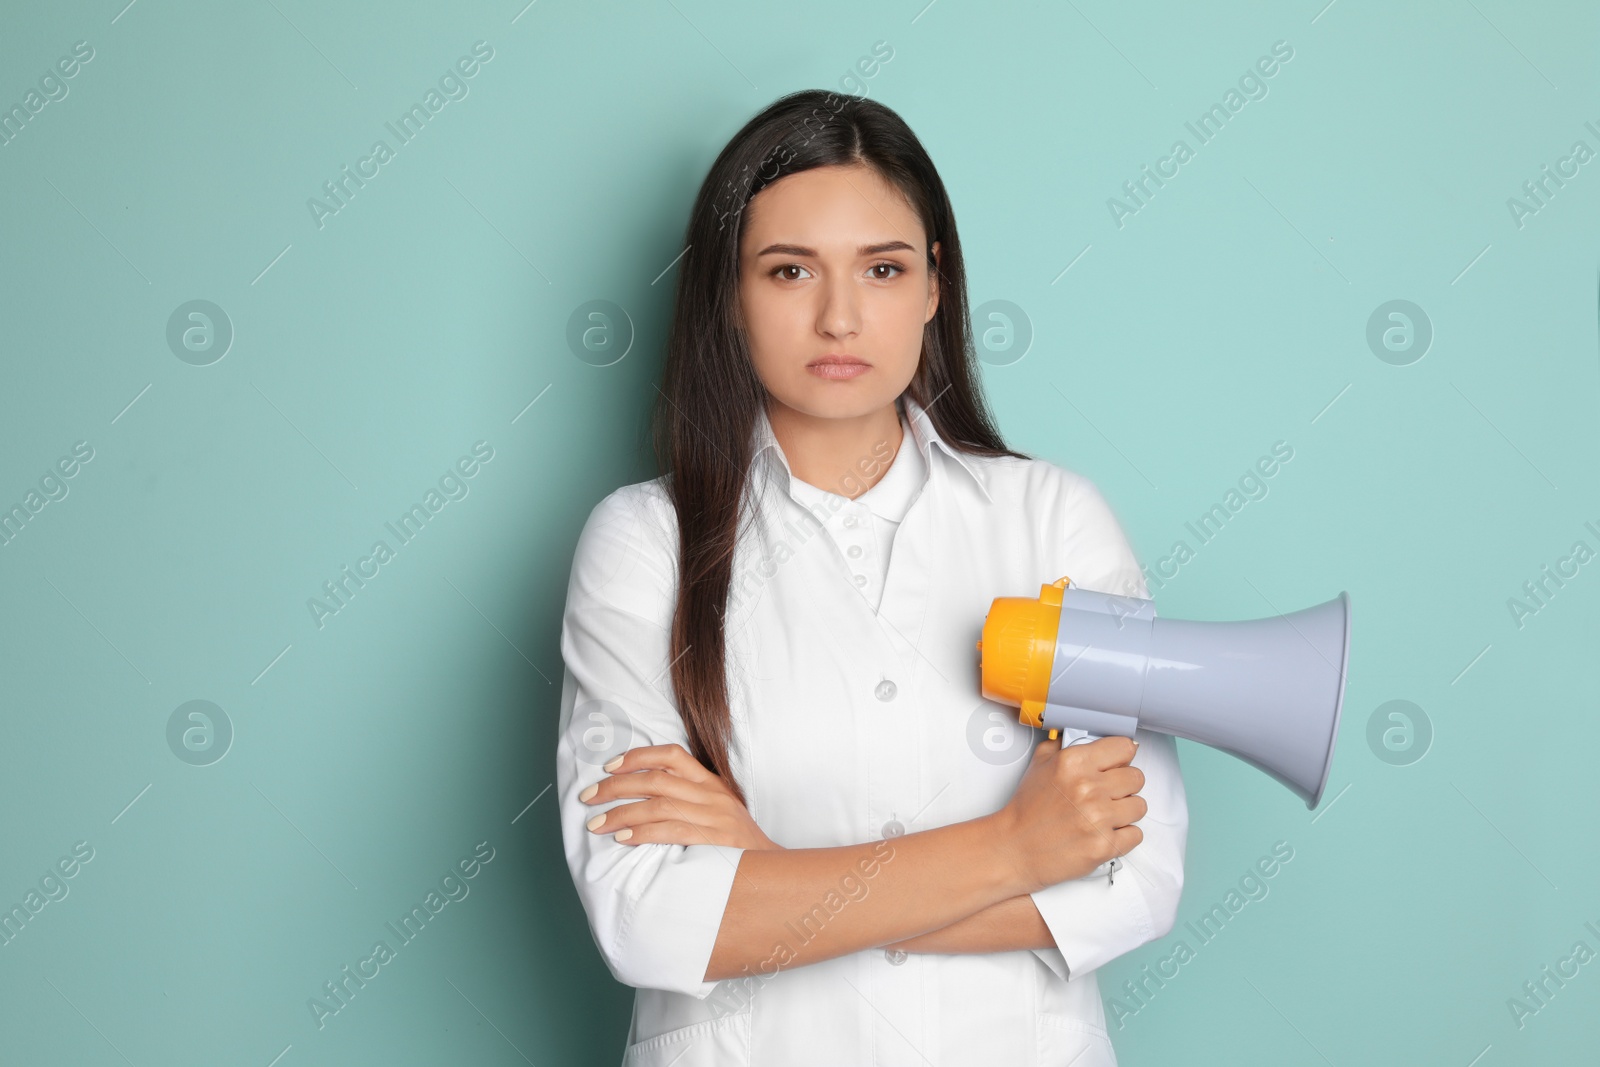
(654, 909)
(1097, 918)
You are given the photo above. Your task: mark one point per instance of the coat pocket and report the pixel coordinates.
(710, 1043)
(1068, 1042)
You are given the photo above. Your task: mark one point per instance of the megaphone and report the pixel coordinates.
(1268, 691)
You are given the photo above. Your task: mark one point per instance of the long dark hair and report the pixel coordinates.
(710, 395)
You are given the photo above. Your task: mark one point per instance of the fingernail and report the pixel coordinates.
(614, 764)
(624, 833)
(589, 792)
(594, 823)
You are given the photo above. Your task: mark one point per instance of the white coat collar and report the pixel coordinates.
(923, 434)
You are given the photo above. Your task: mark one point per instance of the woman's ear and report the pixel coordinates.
(933, 283)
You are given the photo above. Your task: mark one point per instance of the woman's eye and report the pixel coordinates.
(781, 272)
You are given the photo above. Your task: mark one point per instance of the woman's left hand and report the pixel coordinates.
(684, 804)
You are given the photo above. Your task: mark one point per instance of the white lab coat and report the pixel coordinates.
(857, 717)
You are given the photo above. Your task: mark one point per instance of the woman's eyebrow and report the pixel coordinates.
(864, 250)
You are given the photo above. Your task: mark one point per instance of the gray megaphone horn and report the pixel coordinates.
(1267, 690)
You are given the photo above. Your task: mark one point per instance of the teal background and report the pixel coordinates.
(375, 751)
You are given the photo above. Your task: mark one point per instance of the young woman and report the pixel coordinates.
(795, 825)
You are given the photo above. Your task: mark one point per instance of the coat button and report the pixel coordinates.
(849, 520)
(896, 956)
(886, 690)
(893, 828)
(861, 579)
(854, 551)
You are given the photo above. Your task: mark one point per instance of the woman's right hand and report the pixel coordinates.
(1073, 810)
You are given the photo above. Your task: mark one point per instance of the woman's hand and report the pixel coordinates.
(1073, 810)
(684, 804)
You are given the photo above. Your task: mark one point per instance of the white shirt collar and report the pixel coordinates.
(923, 436)
(890, 497)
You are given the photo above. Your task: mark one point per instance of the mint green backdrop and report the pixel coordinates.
(227, 459)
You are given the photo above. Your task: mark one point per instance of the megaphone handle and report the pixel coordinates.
(1111, 872)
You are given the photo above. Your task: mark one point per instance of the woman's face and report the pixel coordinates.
(833, 262)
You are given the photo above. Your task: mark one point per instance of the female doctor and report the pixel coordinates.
(794, 824)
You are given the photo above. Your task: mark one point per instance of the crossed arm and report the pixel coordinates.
(684, 803)
(1014, 923)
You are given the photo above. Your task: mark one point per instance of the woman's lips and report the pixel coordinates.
(835, 370)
